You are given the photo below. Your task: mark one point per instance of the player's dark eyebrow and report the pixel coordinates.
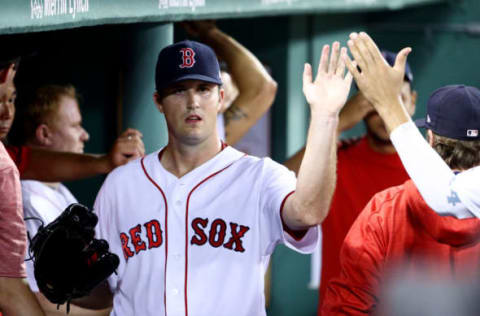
(175, 86)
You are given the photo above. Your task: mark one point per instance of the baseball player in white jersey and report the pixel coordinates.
(196, 222)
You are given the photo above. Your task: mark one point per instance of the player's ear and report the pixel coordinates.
(43, 135)
(221, 98)
(430, 137)
(414, 100)
(157, 99)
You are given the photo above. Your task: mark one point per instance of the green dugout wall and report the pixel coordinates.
(21, 16)
(108, 52)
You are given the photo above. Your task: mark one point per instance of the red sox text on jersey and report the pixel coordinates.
(150, 235)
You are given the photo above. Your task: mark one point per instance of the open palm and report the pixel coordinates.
(329, 91)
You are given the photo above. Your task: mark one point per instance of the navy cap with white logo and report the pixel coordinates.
(454, 112)
(186, 60)
(390, 58)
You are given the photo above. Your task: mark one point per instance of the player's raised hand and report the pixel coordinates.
(329, 91)
(198, 28)
(379, 82)
(127, 146)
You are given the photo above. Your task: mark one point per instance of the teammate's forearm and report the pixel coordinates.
(429, 172)
(317, 175)
(56, 166)
(256, 88)
(349, 119)
(98, 299)
(247, 71)
(393, 113)
(51, 309)
(353, 112)
(16, 299)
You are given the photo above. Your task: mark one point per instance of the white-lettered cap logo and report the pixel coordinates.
(188, 57)
(472, 132)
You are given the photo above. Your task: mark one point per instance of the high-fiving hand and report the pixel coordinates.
(329, 91)
(377, 80)
(380, 83)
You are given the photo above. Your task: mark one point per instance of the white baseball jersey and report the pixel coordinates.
(466, 186)
(196, 245)
(46, 203)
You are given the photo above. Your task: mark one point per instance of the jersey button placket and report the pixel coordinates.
(176, 260)
(179, 197)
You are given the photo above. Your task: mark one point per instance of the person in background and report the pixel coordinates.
(15, 296)
(398, 233)
(50, 120)
(249, 89)
(445, 192)
(48, 165)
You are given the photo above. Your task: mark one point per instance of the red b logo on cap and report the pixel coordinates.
(188, 57)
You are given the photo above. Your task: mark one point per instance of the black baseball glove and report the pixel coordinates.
(68, 261)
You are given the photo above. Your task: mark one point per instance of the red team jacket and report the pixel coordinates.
(397, 227)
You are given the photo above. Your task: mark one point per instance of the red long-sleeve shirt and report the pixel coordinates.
(361, 173)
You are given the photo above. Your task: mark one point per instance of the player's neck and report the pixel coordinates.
(179, 159)
(379, 145)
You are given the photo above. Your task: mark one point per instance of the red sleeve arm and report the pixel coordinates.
(361, 258)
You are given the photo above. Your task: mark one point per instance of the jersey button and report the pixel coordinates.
(174, 291)
(178, 203)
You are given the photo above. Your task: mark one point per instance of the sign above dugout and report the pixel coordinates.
(26, 16)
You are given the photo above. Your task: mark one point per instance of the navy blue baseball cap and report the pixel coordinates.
(186, 60)
(390, 58)
(454, 112)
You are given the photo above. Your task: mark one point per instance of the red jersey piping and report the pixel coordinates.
(166, 233)
(223, 146)
(186, 228)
